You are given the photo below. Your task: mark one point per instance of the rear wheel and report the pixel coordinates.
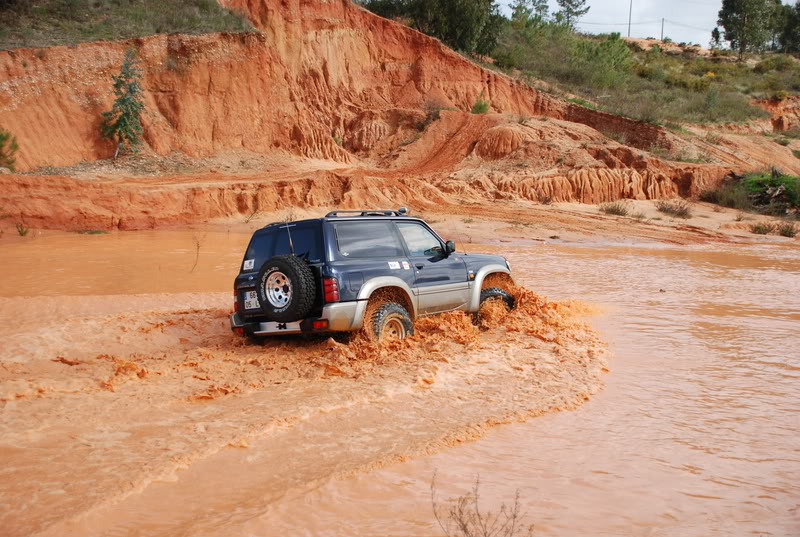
(391, 322)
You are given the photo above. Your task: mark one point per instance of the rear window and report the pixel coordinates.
(368, 239)
(306, 239)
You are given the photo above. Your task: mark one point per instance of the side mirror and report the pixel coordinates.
(449, 247)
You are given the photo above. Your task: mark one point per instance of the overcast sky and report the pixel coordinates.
(689, 21)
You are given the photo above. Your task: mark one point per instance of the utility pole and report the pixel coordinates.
(662, 28)
(630, 10)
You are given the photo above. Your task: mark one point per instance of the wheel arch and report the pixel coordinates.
(480, 277)
(392, 288)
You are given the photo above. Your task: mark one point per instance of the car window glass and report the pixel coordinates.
(306, 239)
(367, 239)
(419, 240)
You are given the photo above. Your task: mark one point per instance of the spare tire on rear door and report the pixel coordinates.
(286, 288)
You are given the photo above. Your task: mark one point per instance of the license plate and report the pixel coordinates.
(251, 300)
(275, 327)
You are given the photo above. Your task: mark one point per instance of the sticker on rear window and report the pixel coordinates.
(394, 265)
(249, 263)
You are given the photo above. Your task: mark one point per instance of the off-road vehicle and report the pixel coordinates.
(377, 270)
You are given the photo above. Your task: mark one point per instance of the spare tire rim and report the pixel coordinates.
(393, 329)
(278, 289)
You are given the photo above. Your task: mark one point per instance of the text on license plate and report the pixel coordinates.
(251, 300)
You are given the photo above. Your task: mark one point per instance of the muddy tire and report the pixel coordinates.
(497, 293)
(286, 289)
(391, 322)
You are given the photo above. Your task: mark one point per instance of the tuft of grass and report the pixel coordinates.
(762, 228)
(618, 208)
(46, 23)
(22, 229)
(619, 137)
(676, 208)
(639, 216)
(787, 229)
(481, 106)
(468, 220)
(91, 231)
(582, 102)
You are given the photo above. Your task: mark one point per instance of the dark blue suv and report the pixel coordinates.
(377, 270)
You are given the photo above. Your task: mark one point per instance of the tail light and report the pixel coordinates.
(235, 301)
(330, 289)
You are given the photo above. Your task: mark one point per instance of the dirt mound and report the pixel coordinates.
(164, 389)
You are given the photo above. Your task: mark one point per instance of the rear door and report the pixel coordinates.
(440, 282)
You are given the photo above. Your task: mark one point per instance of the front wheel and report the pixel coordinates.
(391, 322)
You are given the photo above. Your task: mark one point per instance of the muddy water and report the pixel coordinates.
(697, 433)
(58, 264)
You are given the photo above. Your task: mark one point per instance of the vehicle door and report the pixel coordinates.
(441, 282)
(365, 250)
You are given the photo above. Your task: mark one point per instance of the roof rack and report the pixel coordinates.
(370, 212)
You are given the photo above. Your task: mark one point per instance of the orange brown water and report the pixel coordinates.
(696, 433)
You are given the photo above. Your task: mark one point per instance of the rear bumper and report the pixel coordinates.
(341, 317)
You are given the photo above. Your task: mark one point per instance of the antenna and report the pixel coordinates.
(289, 232)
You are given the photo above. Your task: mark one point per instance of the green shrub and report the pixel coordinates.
(676, 208)
(787, 229)
(124, 122)
(8, 150)
(618, 208)
(796, 153)
(782, 141)
(762, 228)
(481, 106)
(777, 62)
(731, 194)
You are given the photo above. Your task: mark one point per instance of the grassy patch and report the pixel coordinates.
(582, 102)
(617, 208)
(676, 208)
(90, 232)
(787, 229)
(762, 228)
(43, 23)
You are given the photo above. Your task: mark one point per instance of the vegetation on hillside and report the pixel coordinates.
(123, 124)
(8, 150)
(771, 193)
(42, 23)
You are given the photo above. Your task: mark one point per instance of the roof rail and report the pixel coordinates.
(369, 212)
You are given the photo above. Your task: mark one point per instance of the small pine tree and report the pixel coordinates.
(8, 148)
(124, 122)
(572, 10)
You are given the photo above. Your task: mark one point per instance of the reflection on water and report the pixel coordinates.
(697, 434)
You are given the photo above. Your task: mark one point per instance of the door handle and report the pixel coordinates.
(419, 266)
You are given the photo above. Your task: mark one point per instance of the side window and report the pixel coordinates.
(419, 240)
(367, 239)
